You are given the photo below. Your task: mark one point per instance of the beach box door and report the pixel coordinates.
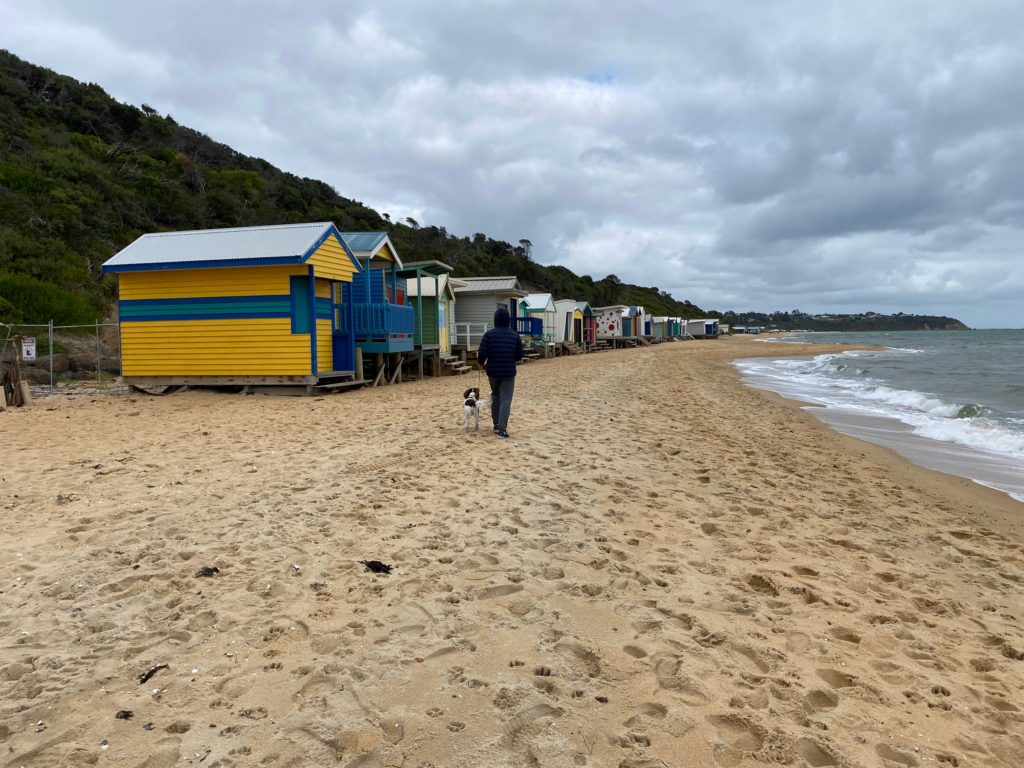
(442, 325)
(343, 342)
(577, 330)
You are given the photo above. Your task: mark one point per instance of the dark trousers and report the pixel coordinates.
(501, 400)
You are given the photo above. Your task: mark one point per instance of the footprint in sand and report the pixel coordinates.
(891, 756)
(762, 584)
(737, 732)
(815, 755)
(753, 656)
(821, 701)
(500, 591)
(528, 722)
(798, 642)
(845, 634)
(800, 570)
(651, 710)
(164, 754)
(836, 678)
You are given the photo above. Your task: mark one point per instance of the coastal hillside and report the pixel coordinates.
(864, 321)
(82, 176)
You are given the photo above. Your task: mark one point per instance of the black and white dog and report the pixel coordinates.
(471, 404)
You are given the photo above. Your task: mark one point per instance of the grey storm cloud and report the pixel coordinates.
(748, 155)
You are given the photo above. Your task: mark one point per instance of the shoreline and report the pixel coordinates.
(1001, 511)
(985, 468)
(662, 564)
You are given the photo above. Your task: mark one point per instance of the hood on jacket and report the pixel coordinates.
(501, 318)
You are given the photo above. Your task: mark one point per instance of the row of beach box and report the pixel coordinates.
(306, 304)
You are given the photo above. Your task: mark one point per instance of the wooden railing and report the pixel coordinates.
(377, 321)
(530, 326)
(468, 334)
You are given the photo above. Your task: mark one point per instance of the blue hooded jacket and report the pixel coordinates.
(500, 348)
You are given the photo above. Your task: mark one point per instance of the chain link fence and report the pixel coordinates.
(68, 359)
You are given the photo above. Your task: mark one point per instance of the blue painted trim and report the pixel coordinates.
(203, 300)
(237, 310)
(312, 320)
(269, 261)
(206, 316)
(210, 308)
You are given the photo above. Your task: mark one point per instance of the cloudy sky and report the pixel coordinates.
(744, 154)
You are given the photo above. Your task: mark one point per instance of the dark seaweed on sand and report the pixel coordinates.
(145, 676)
(376, 566)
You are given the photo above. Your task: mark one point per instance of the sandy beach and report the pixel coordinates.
(662, 567)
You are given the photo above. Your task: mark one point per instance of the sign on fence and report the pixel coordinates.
(28, 349)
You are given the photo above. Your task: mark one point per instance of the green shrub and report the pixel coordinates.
(33, 301)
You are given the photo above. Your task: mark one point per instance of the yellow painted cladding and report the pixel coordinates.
(197, 283)
(229, 347)
(385, 252)
(324, 350)
(331, 261)
(249, 347)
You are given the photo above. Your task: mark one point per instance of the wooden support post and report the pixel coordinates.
(379, 357)
(26, 393)
(421, 365)
(359, 363)
(3, 397)
(397, 375)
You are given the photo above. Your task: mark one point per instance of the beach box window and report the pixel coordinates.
(300, 304)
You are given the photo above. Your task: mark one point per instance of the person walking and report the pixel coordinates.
(500, 349)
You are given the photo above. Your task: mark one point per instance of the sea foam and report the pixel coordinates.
(825, 380)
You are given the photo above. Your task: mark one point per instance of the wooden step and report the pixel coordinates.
(343, 384)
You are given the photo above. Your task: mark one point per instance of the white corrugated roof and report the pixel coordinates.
(505, 284)
(278, 244)
(369, 244)
(538, 300)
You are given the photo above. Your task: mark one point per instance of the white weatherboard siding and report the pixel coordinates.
(564, 311)
(477, 309)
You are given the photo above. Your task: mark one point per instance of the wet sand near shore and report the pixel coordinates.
(662, 567)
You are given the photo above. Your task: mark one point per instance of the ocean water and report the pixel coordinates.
(948, 400)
